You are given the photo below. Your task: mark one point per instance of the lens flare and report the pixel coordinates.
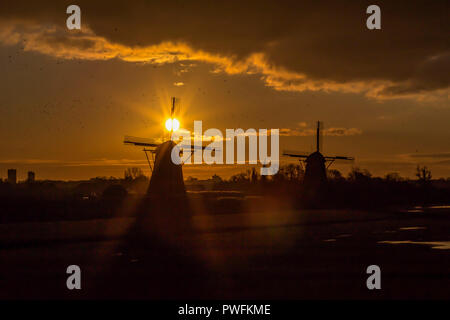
(172, 124)
(175, 124)
(169, 124)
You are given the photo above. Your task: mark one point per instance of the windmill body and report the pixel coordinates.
(167, 177)
(316, 164)
(315, 171)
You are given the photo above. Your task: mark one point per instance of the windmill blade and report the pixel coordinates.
(140, 141)
(172, 108)
(344, 158)
(175, 107)
(193, 148)
(295, 154)
(340, 158)
(320, 128)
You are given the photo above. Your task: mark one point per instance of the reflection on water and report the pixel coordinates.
(421, 209)
(441, 245)
(412, 228)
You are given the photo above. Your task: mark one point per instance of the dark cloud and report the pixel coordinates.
(303, 45)
(431, 74)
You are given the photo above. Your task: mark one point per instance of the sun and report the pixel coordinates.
(172, 124)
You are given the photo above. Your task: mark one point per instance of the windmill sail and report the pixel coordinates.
(142, 142)
(319, 136)
(339, 158)
(295, 154)
(319, 141)
(172, 109)
(315, 172)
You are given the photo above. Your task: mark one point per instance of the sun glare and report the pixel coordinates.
(172, 124)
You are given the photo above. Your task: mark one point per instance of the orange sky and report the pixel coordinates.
(68, 97)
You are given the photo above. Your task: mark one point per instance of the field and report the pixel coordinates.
(291, 254)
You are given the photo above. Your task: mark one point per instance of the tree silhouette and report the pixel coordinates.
(359, 175)
(335, 175)
(133, 173)
(393, 177)
(423, 174)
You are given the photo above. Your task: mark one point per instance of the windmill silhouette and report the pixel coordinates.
(167, 177)
(316, 164)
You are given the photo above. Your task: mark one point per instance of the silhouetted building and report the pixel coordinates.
(167, 177)
(31, 176)
(315, 173)
(12, 176)
(315, 180)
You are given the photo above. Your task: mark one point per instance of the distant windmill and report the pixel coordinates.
(167, 177)
(316, 163)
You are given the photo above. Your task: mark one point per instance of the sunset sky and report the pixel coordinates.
(68, 97)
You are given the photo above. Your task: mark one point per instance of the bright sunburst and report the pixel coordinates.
(172, 124)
